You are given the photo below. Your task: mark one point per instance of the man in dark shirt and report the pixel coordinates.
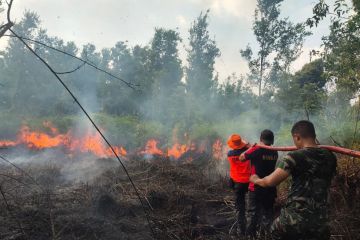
(304, 215)
(261, 200)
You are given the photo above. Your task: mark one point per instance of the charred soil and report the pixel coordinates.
(184, 201)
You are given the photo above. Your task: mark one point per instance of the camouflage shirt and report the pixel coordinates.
(312, 170)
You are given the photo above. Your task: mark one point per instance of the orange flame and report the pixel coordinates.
(217, 149)
(7, 143)
(90, 143)
(177, 150)
(151, 148)
(39, 140)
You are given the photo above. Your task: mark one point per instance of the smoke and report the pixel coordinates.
(68, 168)
(165, 107)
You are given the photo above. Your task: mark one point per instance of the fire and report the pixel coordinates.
(217, 149)
(90, 143)
(7, 143)
(93, 143)
(38, 140)
(177, 150)
(151, 148)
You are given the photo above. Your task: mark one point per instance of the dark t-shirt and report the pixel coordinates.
(263, 162)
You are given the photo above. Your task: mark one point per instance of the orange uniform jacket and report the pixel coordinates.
(239, 171)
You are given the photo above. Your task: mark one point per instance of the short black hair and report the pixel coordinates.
(304, 128)
(267, 137)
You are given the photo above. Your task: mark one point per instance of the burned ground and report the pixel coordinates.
(184, 201)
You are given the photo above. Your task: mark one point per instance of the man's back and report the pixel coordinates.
(312, 170)
(239, 171)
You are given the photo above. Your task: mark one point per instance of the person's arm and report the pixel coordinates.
(283, 169)
(274, 179)
(248, 154)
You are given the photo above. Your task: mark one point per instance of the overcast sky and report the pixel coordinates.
(104, 22)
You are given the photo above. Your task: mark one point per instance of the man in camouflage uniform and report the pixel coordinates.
(304, 215)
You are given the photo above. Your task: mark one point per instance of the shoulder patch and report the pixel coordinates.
(287, 163)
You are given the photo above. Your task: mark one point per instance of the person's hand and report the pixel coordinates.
(254, 178)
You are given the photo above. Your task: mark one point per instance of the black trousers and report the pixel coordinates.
(260, 211)
(240, 190)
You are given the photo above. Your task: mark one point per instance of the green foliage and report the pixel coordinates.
(305, 90)
(342, 46)
(201, 58)
(202, 130)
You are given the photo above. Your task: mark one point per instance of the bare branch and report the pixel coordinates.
(71, 71)
(9, 10)
(21, 170)
(335, 142)
(87, 62)
(15, 179)
(4, 28)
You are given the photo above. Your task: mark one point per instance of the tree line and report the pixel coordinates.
(176, 93)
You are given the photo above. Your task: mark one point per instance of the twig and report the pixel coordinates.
(15, 179)
(307, 114)
(4, 28)
(21, 170)
(232, 226)
(335, 142)
(10, 212)
(149, 203)
(94, 125)
(9, 10)
(71, 71)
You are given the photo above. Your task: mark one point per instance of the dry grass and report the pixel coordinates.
(187, 201)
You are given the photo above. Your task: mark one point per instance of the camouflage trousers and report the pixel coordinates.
(300, 226)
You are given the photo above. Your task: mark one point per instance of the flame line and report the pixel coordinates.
(92, 122)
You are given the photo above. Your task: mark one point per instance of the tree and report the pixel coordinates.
(342, 56)
(304, 92)
(234, 97)
(114, 96)
(165, 66)
(201, 57)
(342, 46)
(276, 37)
(165, 61)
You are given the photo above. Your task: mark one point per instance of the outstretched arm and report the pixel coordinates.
(242, 157)
(274, 179)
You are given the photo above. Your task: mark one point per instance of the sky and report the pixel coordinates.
(104, 22)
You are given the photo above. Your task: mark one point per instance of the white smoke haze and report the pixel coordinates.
(160, 115)
(70, 168)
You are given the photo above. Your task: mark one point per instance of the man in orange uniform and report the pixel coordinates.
(239, 177)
